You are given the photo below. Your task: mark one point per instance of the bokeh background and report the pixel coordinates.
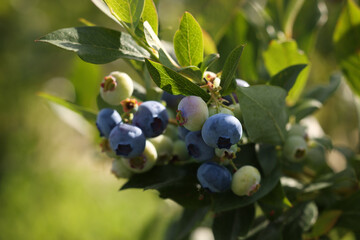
(54, 183)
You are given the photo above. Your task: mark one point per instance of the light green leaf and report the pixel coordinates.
(228, 83)
(188, 41)
(150, 15)
(96, 44)
(173, 82)
(154, 42)
(88, 114)
(104, 8)
(347, 43)
(282, 54)
(209, 44)
(86, 79)
(127, 11)
(264, 112)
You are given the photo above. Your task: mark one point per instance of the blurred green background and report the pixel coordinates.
(54, 183)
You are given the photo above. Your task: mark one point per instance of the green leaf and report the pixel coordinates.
(287, 77)
(300, 218)
(172, 82)
(241, 31)
(228, 83)
(88, 114)
(325, 223)
(304, 108)
(96, 44)
(292, 9)
(174, 182)
(86, 80)
(188, 41)
(227, 201)
(127, 11)
(322, 93)
(267, 158)
(347, 43)
(104, 8)
(274, 203)
(209, 44)
(154, 42)
(282, 54)
(192, 72)
(230, 225)
(150, 15)
(264, 113)
(209, 59)
(271, 232)
(189, 219)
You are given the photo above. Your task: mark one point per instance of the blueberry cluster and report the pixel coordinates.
(207, 132)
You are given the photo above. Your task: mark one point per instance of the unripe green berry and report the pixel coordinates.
(295, 148)
(144, 162)
(119, 170)
(246, 181)
(180, 150)
(163, 145)
(192, 113)
(116, 87)
(297, 130)
(213, 110)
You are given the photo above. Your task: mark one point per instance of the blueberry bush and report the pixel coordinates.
(220, 126)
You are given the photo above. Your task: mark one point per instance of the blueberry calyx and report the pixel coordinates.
(224, 142)
(180, 118)
(194, 150)
(157, 126)
(138, 162)
(123, 149)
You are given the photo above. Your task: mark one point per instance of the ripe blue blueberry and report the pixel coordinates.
(152, 118)
(172, 101)
(197, 148)
(127, 140)
(214, 177)
(221, 131)
(182, 132)
(106, 120)
(192, 113)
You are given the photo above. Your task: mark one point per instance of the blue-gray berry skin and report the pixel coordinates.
(214, 177)
(106, 120)
(172, 101)
(127, 140)
(221, 131)
(182, 132)
(197, 148)
(152, 118)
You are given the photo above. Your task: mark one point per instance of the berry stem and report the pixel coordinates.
(233, 164)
